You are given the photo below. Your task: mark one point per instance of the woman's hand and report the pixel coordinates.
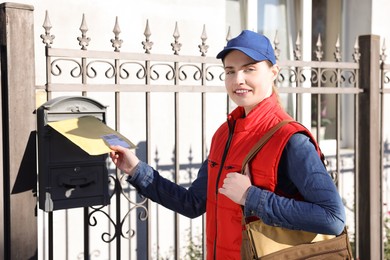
(235, 187)
(124, 159)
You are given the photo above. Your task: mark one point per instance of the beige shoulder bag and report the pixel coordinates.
(261, 241)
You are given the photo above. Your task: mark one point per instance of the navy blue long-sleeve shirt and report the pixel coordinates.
(300, 169)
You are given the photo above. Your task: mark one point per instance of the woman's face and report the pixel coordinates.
(248, 82)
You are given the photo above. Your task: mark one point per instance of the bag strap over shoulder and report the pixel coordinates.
(263, 140)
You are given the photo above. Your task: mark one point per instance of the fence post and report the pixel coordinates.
(18, 159)
(369, 198)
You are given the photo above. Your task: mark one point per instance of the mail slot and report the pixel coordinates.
(68, 176)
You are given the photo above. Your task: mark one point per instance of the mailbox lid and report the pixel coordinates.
(66, 107)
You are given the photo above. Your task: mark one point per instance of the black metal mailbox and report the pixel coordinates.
(68, 176)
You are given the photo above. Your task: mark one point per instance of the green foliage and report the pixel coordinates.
(194, 249)
(386, 245)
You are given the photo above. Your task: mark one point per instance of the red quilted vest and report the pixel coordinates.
(223, 216)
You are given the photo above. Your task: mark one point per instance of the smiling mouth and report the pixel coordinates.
(241, 91)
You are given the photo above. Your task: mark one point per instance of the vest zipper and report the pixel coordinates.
(228, 142)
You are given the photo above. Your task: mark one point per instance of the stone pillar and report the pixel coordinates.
(368, 184)
(18, 157)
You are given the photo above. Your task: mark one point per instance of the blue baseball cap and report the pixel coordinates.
(252, 44)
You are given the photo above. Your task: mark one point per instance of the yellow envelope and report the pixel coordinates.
(90, 134)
